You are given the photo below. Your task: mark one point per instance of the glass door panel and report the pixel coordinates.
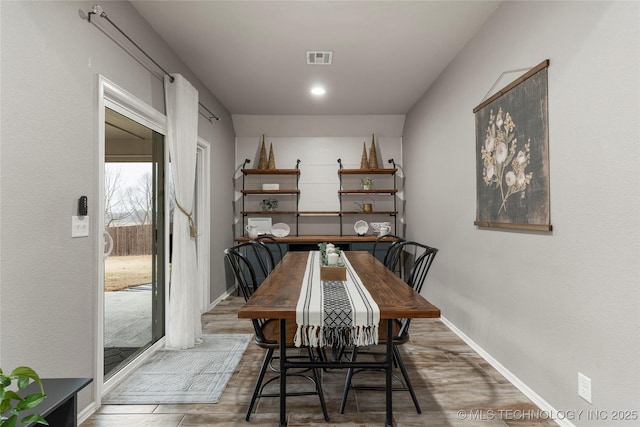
(134, 219)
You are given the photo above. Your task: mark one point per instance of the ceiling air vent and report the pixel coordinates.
(319, 58)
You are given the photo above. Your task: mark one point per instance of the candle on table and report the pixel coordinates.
(332, 258)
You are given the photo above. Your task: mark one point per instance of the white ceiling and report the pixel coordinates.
(252, 54)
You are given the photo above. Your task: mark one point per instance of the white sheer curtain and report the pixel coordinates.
(183, 318)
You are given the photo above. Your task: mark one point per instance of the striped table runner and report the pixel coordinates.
(335, 313)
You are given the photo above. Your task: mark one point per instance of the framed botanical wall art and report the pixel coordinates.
(512, 155)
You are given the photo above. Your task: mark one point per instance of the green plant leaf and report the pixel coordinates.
(10, 394)
(5, 381)
(35, 418)
(22, 382)
(10, 422)
(25, 371)
(5, 404)
(30, 401)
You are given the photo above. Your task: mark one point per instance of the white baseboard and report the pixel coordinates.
(86, 413)
(221, 297)
(525, 389)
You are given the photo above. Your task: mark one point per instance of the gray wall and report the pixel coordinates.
(51, 59)
(545, 305)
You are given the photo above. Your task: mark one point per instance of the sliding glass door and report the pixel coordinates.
(134, 218)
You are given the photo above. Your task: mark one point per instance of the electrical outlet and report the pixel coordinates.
(79, 226)
(584, 387)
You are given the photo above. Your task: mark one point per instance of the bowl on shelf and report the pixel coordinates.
(361, 227)
(280, 229)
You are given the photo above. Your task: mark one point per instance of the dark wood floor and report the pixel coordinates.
(455, 387)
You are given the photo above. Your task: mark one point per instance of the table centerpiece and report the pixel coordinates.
(332, 266)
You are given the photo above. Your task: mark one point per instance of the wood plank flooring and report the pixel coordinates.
(455, 387)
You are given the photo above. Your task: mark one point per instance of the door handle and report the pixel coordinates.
(109, 240)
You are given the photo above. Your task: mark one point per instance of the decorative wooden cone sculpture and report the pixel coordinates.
(262, 163)
(272, 159)
(364, 163)
(373, 156)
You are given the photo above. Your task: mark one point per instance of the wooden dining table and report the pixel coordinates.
(277, 298)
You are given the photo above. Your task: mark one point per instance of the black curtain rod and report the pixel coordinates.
(97, 10)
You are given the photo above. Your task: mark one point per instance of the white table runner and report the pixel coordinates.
(334, 313)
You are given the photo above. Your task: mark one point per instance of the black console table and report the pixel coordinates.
(60, 407)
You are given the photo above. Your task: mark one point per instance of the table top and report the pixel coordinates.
(277, 296)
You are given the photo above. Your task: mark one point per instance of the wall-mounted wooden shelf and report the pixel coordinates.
(382, 171)
(379, 191)
(285, 191)
(271, 171)
(269, 212)
(371, 191)
(392, 213)
(341, 193)
(280, 192)
(318, 213)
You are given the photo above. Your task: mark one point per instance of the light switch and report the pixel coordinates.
(80, 226)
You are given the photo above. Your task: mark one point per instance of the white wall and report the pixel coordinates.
(545, 305)
(318, 141)
(51, 59)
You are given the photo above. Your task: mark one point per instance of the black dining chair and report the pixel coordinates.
(267, 336)
(415, 279)
(272, 244)
(402, 255)
(259, 256)
(383, 245)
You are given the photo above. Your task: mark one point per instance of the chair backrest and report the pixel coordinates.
(395, 258)
(259, 256)
(246, 277)
(383, 244)
(413, 258)
(272, 244)
(243, 271)
(418, 269)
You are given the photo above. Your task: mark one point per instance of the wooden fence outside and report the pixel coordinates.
(131, 240)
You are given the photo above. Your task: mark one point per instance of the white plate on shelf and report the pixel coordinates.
(361, 227)
(280, 229)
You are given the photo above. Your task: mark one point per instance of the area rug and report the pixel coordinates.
(195, 375)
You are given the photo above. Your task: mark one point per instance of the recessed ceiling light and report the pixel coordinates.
(318, 90)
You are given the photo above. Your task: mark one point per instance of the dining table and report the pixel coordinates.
(277, 298)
